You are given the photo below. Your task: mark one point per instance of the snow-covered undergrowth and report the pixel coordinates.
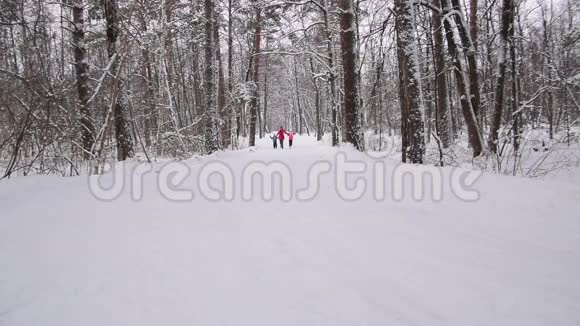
(508, 256)
(538, 155)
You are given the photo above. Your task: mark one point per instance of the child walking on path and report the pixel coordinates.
(291, 138)
(274, 140)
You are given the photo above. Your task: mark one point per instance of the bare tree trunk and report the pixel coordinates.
(349, 67)
(442, 119)
(506, 30)
(211, 132)
(122, 134)
(258, 106)
(378, 68)
(473, 30)
(233, 117)
(167, 60)
(515, 100)
(221, 90)
(473, 72)
(548, 66)
(316, 102)
(300, 116)
(412, 127)
(470, 51)
(62, 41)
(197, 77)
(259, 116)
(428, 98)
(488, 70)
(265, 122)
(82, 74)
(255, 100)
(453, 41)
(150, 111)
(332, 76)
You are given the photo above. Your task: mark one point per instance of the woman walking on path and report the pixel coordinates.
(281, 133)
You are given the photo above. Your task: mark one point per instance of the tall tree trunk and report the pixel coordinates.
(515, 100)
(349, 66)
(470, 51)
(255, 100)
(259, 116)
(473, 30)
(332, 74)
(506, 30)
(167, 62)
(453, 41)
(211, 132)
(548, 67)
(488, 70)
(442, 119)
(233, 117)
(150, 111)
(62, 41)
(197, 73)
(378, 69)
(221, 89)
(265, 122)
(412, 128)
(428, 98)
(122, 134)
(316, 101)
(82, 75)
(300, 115)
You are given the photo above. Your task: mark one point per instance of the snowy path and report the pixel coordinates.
(510, 258)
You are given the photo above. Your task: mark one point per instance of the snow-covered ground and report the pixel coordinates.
(500, 251)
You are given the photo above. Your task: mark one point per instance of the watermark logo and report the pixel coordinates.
(347, 179)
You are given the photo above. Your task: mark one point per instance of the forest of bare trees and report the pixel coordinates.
(85, 83)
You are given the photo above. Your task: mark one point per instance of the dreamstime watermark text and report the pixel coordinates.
(349, 180)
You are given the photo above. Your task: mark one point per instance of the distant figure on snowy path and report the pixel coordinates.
(274, 140)
(281, 133)
(291, 138)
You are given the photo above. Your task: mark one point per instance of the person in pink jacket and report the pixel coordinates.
(281, 133)
(291, 138)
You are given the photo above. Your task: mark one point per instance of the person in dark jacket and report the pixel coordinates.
(274, 140)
